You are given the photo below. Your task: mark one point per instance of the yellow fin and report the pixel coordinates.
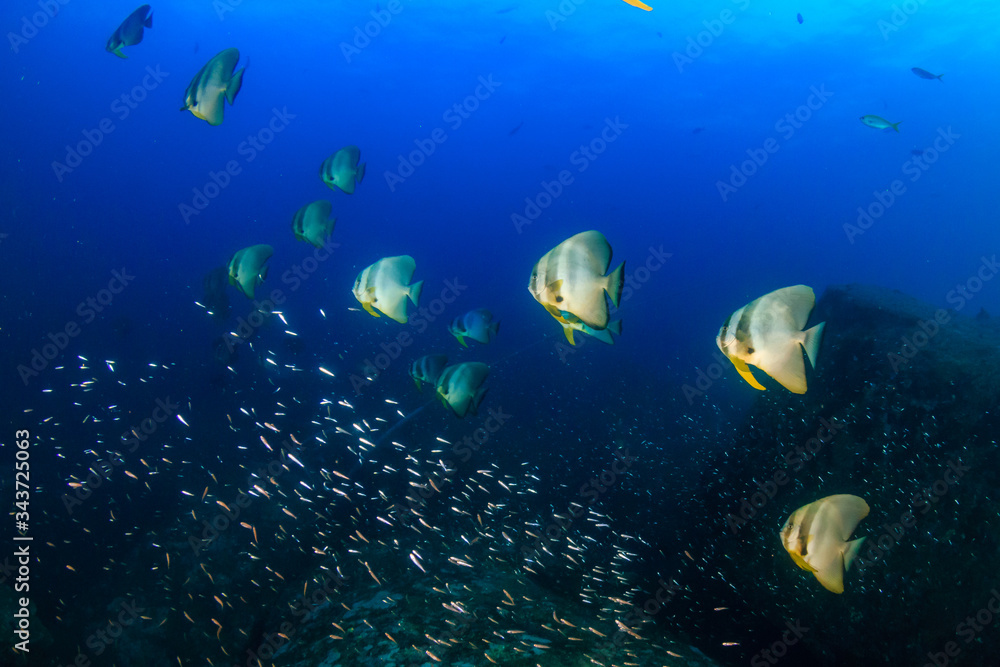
(368, 306)
(568, 330)
(643, 5)
(745, 373)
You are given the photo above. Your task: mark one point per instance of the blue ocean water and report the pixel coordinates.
(717, 146)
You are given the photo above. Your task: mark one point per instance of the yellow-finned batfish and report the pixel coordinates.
(246, 268)
(569, 280)
(312, 223)
(879, 123)
(768, 333)
(428, 369)
(461, 387)
(816, 536)
(385, 286)
(476, 324)
(603, 335)
(214, 83)
(639, 4)
(129, 33)
(341, 170)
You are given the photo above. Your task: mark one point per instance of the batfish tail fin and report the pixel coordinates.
(813, 338)
(414, 291)
(616, 281)
(234, 86)
(851, 552)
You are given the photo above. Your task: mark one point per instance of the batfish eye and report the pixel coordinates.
(749, 350)
(559, 299)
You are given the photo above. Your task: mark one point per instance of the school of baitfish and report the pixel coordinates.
(574, 283)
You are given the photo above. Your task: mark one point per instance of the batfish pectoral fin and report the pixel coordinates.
(371, 311)
(568, 330)
(801, 562)
(744, 371)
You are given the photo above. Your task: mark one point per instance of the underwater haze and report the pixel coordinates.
(226, 459)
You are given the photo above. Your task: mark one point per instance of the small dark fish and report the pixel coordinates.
(697, 130)
(659, 34)
(924, 74)
(504, 11)
(916, 151)
(503, 38)
(514, 131)
(798, 17)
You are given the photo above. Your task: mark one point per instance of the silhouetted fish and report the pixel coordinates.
(798, 17)
(514, 131)
(924, 74)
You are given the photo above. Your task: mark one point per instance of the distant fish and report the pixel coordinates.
(879, 123)
(341, 170)
(697, 130)
(213, 83)
(506, 9)
(767, 332)
(924, 74)
(247, 270)
(461, 387)
(476, 324)
(514, 131)
(917, 151)
(798, 17)
(312, 223)
(503, 38)
(129, 33)
(816, 537)
(385, 286)
(428, 369)
(639, 4)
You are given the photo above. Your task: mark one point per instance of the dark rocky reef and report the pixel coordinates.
(905, 410)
